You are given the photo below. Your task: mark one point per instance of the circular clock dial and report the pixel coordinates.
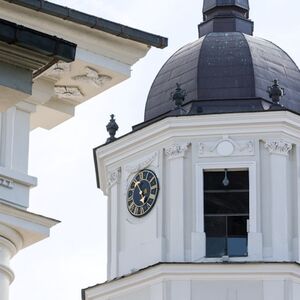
(142, 193)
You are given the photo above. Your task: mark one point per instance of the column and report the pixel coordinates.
(10, 244)
(175, 200)
(113, 231)
(279, 155)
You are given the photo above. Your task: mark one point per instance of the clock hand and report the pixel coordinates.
(140, 192)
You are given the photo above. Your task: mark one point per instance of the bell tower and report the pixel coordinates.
(225, 16)
(203, 196)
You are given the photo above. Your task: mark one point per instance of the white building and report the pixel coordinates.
(46, 69)
(203, 195)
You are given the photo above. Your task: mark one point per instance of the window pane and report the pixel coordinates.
(237, 180)
(215, 226)
(237, 246)
(226, 203)
(215, 247)
(237, 226)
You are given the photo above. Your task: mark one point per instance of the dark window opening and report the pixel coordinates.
(226, 212)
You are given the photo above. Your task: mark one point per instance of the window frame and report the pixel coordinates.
(252, 226)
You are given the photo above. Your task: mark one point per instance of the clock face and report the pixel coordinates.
(142, 193)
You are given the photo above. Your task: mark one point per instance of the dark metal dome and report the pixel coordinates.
(224, 72)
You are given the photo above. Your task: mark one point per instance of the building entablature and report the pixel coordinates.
(261, 126)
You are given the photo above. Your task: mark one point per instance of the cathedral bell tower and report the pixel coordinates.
(203, 196)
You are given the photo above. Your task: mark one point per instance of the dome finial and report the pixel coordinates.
(225, 16)
(276, 92)
(112, 127)
(178, 97)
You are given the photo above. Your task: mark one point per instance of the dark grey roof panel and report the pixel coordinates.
(36, 41)
(225, 66)
(181, 68)
(93, 22)
(210, 4)
(269, 63)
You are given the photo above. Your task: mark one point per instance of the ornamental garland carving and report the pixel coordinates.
(141, 164)
(92, 76)
(113, 177)
(59, 69)
(68, 92)
(226, 147)
(278, 146)
(176, 150)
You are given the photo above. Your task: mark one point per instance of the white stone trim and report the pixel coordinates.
(278, 146)
(176, 150)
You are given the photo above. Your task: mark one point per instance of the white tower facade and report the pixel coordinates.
(44, 75)
(203, 197)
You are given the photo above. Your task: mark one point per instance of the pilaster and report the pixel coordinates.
(279, 155)
(113, 232)
(175, 199)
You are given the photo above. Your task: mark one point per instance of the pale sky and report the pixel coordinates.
(74, 257)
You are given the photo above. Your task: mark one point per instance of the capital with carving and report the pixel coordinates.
(113, 177)
(176, 150)
(280, 146)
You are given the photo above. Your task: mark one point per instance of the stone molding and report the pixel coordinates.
(279, 146)
(113, 178)
(176, 150)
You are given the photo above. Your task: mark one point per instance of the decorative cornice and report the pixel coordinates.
(278, 146)
(113, 177)
(92, 76)
(176, 150)
(68, 92)
(6, 183)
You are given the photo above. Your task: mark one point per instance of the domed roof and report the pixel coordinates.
(226, 69)
(224, 66)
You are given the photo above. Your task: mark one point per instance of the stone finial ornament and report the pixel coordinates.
(275, 92)
(112, 127)
(178, 96)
